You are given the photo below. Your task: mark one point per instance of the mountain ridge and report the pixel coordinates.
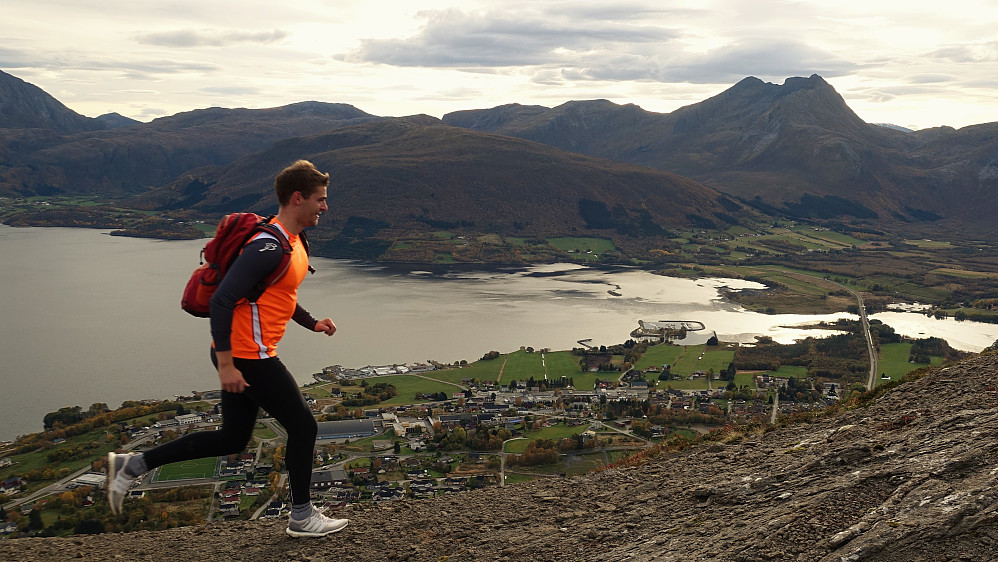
(24, 105)
(427, 174)
(780, 145)
(907, 473)
(793, 151)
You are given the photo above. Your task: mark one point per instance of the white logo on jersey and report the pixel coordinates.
(270, 246)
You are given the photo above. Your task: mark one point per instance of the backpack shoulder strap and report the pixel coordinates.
(304, 243)
(265, 225)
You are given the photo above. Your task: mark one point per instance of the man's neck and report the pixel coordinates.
(290, 222)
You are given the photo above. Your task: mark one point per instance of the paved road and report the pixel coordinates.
(871, 348)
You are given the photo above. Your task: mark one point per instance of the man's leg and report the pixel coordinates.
(238, 417)
(277, 392)
(273, 387)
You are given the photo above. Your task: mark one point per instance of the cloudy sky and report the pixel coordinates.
(909, 62)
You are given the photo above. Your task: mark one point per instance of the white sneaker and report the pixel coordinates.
(118, 480)
(317, 525)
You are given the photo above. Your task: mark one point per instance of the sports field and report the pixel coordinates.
(189, 470)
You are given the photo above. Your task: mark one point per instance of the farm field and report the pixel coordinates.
(894, 360)
(700, 358)
(657, 355)
(521, 365)
(557, 431)
(588, 248)
(406, 387)
(188, 470)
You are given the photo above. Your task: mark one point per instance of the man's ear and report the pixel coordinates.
(297, 198)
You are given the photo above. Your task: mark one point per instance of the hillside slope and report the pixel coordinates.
(26, 106)
(911, 476)
(131, 160)
(415, 173)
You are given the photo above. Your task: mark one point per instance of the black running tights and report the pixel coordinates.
(272, 388)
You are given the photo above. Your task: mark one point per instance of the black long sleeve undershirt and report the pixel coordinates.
(258, 259)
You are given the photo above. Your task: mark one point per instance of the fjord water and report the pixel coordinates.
(88, 317)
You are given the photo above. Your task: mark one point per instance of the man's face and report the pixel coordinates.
(313, 207)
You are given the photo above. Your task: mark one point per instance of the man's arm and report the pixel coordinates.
(304, 319)
(258, 259)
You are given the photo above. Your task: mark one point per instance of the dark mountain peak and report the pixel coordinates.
(26, 106)
(341, 110)
(812, 82)
(116, 121)
(588, 104)
(753, 105)
(749, 84)
(296, 111)
(491, 120)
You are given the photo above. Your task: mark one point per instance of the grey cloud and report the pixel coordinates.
(138, 69)
(143, 69)
(880, 97)
(616, 11)
(886, 94)
(15, 58)
(913, 89)
(453, 38)
(209, 38)
(779, 58)
(761, 58)
(970, 52)
(982, 83)
(71, 60)
(930, 78)
(591, 41)
(551, 78)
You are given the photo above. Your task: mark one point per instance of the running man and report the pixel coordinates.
(244, 351)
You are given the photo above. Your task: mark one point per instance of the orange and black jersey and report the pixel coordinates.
(251, 330)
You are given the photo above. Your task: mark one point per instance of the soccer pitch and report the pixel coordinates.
(189, 470)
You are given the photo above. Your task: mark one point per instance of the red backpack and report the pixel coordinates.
(233, 232)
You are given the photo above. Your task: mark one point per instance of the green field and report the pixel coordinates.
(562, 364)
(690, 360)
(188, 470)
(929, 244)
(894, 360)
(583, 463)
(588, 248)
(512, 478)
(522, 365)
(587, 381)
(557, 431)
(836, 239)
(657, 355)
(261, 431)
(481, 370)
(695, 384)
(407, 386)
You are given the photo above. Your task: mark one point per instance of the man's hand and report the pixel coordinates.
(325, 326)
(231, 378)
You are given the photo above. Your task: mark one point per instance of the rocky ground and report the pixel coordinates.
(912, 476)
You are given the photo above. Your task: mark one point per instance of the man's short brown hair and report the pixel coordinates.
(300, 176)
